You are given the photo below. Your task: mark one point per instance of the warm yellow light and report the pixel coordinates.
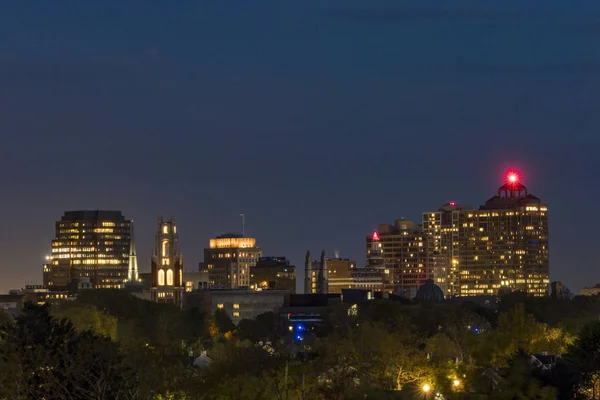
(426, 388)
(235, 243)
(456, 383)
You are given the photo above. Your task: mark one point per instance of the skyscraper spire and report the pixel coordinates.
(132, 272)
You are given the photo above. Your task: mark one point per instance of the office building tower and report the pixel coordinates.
(315, 274)
(167, 265)
(90, 244)
(501, 246)
(273, 273)
(228, 261)
(400, 251)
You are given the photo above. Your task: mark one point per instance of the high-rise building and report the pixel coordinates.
(400, 251)
(315, 274)
(228, 260)
(503, 245)
(167, 265)
(91, 244)
(273, 273)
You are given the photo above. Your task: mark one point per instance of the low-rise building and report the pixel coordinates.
(590, 291)
(248, 304)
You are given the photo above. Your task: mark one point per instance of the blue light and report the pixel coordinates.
(299, 327)
(298, 337)
(476, 330)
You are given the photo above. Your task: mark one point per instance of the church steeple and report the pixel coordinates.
(132, 271)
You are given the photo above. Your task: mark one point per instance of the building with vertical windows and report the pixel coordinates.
(167, 265)
(228, 261)
(503, 245)
(400, 252)
(315, 274)
(273, 273)
(90, 244)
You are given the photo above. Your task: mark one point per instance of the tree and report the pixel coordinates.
(42, 358)
(86, 317)
(223, 322)
(584, 357)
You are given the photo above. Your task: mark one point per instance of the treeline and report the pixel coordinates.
(110, 345)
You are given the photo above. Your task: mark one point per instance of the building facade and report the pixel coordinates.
(315, 274)
(248, 304)
(90, 244)
(228, 261)
(400, 252)
(167, 265)
(501, 246)
(273, 273)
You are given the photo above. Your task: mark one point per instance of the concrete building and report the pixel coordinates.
(315, 274)
(273, 273)
(400, 252)
(246, 303)
(228, 261)
(167, 265)
(90, 244)
(502, 245)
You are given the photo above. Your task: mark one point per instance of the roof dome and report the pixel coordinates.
(429, 291)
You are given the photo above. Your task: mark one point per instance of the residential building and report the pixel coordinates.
(228, 261)
(273, 273)
(167, 265)
(315, 274)
(400, 252)
(503, 245)
(91, 244)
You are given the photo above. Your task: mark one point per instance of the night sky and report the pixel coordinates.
(317, 119)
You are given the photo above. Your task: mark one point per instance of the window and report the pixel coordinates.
(220, 306)
(236, 314)
(165, 248)
(170, 277)
(165, 228)
(161, 277)
(236, 306)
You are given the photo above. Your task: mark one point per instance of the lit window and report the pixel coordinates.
(220, 306)
(165, 248)
(161, 277)
(165, 228)
(170, 277)
(236, 306)
(236, 314)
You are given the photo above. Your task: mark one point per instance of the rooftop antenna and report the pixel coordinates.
(243, 222)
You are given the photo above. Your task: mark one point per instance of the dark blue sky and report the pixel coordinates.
(318, 119)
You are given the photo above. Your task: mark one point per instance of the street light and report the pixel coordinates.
(426, 388)
(456, 383)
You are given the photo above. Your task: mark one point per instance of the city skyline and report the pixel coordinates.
(511, 176)
(317, 121)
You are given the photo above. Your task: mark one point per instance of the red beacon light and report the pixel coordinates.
(452, 203)
(375, 235)
(513, 178)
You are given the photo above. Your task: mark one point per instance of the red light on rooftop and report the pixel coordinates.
(452, 203)
(512, 177)
(375, 235)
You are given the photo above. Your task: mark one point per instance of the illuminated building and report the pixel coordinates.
(501, 246)
(91, 244)
(247, 304)
(342, 274)
(400, 252)
(315, 275)
(167, 265)
(228, 261)
(273, 273)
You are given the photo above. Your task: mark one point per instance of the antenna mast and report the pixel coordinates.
(243, 222)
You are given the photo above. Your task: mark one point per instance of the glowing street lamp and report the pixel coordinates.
(456, 383)
(426, 388)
